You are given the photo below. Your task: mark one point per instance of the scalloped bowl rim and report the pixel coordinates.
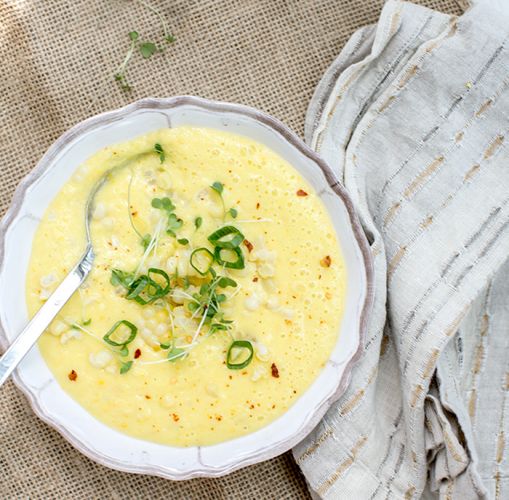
(267, 451)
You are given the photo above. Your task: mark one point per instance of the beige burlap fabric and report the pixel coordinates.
(57, 61)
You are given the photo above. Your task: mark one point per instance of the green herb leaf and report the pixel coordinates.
(192, 306)
(169, 38)
(163, 204)
(225, 282)
(125, 367)
(147, 49)
(244, 345)
(198, 222)
(160, 151)
(145, 241)
(176, 353)
(87, 322)
(183, 241)
(217, 187)
(174, 223)
(133, 35)
(133, 330)
(233, 212)
(124, 351)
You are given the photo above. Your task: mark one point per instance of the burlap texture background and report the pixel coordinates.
(57, 59)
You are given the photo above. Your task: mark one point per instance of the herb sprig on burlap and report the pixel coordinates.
(145, 48)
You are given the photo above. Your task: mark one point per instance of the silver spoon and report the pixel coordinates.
(47, 313)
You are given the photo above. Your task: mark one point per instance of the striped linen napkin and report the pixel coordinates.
(413, 117)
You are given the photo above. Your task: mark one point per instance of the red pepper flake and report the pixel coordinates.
(251, 406)
(288, 322)
(219, 418)
(326, 261)
(255, 279)
(249, 245)
(134, 214)
(175, 417)
(147, 396)
(274, 370)
(257, 205)
(137, 353)
(301, 192)
(72, 376)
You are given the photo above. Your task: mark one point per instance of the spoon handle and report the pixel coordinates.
(42, 319)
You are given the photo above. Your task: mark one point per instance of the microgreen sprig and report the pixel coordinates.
(160, 151)
(120, 74)
(208, 299)
(174, 223)
(218, 187)
(168, 37)
(146, 49)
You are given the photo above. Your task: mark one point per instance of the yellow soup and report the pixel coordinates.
(216, 292)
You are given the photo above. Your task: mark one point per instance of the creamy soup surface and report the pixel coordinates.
(216, 293)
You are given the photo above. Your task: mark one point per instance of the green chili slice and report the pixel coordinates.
(201, 260)
(235, 264)
(239, 344)
(136, 288)
(146, 290)
(165, 288)
(226, 237)
(132, 335)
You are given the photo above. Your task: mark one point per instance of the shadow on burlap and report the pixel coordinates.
(57, 63)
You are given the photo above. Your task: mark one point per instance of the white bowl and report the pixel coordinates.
(49, 401)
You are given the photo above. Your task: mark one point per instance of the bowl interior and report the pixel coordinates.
(57, 408)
